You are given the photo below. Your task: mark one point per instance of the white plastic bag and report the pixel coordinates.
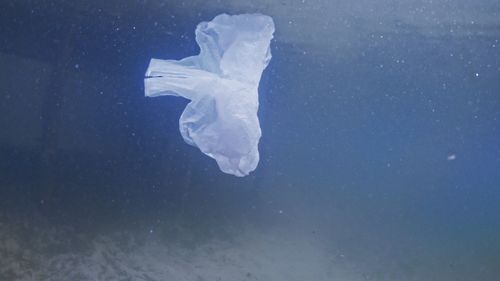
(222, 83)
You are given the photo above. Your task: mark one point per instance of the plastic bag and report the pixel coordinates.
(222, 83)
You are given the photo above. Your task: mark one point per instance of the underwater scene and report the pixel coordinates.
(259, 140)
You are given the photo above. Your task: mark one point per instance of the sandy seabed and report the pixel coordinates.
(46, 253)
(35, 250)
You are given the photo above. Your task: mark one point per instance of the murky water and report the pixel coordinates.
(380, 149)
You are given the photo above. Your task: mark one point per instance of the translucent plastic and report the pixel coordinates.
(222, 83)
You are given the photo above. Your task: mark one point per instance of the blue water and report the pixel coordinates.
(380, 154)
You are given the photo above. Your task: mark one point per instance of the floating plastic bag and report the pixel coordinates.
(222, 83)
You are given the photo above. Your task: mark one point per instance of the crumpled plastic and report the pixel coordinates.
(222, 83)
